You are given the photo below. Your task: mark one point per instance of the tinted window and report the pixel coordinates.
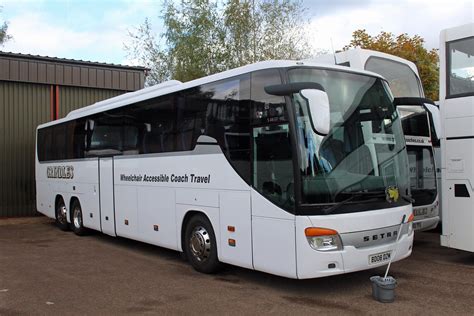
(266, 108)
(415, 124)
(55, 142)
(76, 139)
(106, 137)
(44, 143)
(155, 123)
(272, 155)
(221, 110)
(273, 164)
(59, 142)
(191, 113)
(163, 124)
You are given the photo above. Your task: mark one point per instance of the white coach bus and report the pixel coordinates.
(285, 167)
(423, 176)
(456, 55)
(420, 122)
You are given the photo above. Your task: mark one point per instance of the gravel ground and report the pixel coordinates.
(47, 271)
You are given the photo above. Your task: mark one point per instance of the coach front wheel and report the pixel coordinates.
(200, 245)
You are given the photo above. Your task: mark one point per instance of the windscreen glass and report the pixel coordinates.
(403, 81)
(364, 153)
(415, 122)
(422, 174)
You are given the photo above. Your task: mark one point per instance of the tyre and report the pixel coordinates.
(61, 215)
(200, 245)
(76, 219)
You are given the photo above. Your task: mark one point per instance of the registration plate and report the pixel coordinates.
(380, 257)
(421, 211)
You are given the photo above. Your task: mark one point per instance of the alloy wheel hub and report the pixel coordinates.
(200, 243)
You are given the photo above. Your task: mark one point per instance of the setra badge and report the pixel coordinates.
(392, 194)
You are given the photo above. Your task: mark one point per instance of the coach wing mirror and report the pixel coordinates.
(314, 94)
(318, 103)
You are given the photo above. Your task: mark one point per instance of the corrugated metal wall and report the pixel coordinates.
(37, 89)
(22, 107)
(56, 71)
(71, 98)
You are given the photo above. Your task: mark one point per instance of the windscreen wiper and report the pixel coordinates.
(407, 198)
(355, 194)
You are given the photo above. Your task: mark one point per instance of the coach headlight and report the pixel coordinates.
(410, 223)
(323, 239)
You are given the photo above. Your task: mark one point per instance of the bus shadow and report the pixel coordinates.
(462, 258)
(301, 288)
(236, 275)
(306, 292)
(138, 246)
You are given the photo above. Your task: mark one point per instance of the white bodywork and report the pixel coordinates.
(457, 162)
(426, 216)
(146, 198)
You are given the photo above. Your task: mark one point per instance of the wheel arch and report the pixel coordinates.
(58, 198)
(190, 214)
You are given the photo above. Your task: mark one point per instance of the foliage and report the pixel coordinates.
(404, 46)
(194, 38)
(4, 36)
(203, 37)
(148, 52)
(265, 30)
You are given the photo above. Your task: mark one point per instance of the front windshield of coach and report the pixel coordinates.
(364, 153)
(403, 81)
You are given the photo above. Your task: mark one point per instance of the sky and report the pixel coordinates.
(97, 30)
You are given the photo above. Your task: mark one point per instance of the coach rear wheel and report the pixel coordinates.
(61, 215)
(77, 225)
(200, 245)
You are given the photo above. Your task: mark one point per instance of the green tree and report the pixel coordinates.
(404, 46)
(194, 39)
(202, 37)
(147, 51)
(265, 30)
(4, 36)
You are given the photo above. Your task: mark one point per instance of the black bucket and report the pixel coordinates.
(383, 289)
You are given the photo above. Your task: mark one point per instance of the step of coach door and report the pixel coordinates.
(106, 183)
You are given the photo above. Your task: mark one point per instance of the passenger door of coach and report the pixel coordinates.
(273, 224)
(273, 229)
(106, 189)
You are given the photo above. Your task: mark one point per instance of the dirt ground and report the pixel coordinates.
(46, 271)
